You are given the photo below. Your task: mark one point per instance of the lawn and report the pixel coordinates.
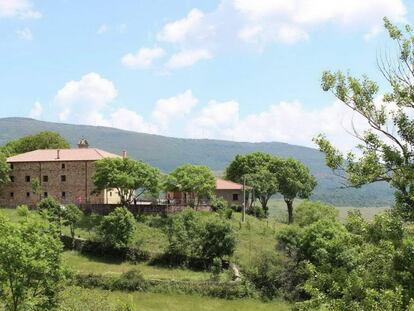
(168, 302)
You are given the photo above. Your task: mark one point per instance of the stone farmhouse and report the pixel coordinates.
(65, 174)
(232, 192)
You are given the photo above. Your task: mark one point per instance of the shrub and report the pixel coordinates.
(226, 213)
(218, 204)
(23, 210)
(256, 211)
(117, 228)
(309, 212)
(132, 280)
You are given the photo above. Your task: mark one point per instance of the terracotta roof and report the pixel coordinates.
(222, 184)
(51, 155)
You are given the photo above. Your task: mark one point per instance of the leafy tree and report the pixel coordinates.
(71, 217)
(386, 151)
(31, 271)
(118, 228)
(256, 169)
(197, 179)
(294, 181)
(36, 186)
(218, 204)
(41, 140)
(4, 170)
(129, 177)
(52, 210)
(218, 240)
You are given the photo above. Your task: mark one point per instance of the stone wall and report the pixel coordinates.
(68, 182)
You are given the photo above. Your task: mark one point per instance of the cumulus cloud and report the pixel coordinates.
(18, 8)
(25, 34)
(144, 58)
(130, 120)
(187, 58)
(262, 22)
(36, 110)
(173, 108)
(288, 122)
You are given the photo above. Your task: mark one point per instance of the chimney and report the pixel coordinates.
(124, 153)
(83, 143)
(58, 154)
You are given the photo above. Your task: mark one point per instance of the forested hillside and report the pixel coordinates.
(168, 153)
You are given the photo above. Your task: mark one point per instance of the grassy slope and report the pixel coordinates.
(168, 302)
(167, 153)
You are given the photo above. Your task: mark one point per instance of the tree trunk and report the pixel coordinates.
(289, 204)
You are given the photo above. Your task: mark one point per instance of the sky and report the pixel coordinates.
(239, 70)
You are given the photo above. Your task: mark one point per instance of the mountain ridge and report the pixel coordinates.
(167, 153)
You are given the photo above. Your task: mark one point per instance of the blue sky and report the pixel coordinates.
(229, 69)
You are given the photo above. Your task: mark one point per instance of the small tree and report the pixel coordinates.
(4, 170)
(117, 228)
(31, 271)
(255, 168)
(295, 181)
(36, 186)
(71, 217)
(53, 211)
(129, 177)
(197, 179)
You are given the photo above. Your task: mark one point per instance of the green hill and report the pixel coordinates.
(167, 153)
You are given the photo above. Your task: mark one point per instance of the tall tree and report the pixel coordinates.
(294, 181)
(31, 271)
(197, 179)
(129, 177)
(256, 169)
(4, 170)
(387, 148)
(41, 140)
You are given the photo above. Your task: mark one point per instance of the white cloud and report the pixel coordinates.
(102, 29)
(286, 122)
(143, 58)
(188, 58)
(18, 8)
(36, 110)
(82, 101)
(25, 34)
(130, 120)
(180, 30)
(173, 108)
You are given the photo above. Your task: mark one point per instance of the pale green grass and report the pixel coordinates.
(90, 264)
(168, 302)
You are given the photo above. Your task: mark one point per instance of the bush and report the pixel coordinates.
(23, 210)
(309, 212)
(218, 204)
(226, 213)
(132, 280)
(117, 228)
(256, 211)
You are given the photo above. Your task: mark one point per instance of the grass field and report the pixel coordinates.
(168, 302)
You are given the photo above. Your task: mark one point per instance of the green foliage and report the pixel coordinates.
(197, 179)
(31, 272)
(129, 177)
(52, 210)
(4, 170)
(190, 236)
(386, 151)
(41, 140)
(257, 170)
(72, 215)
(117, 228)
(23, 210)
(218, 203)
(309, 212)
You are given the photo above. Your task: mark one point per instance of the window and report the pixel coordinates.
(63, 194)
(27, 178)
(63, 166)
(12, 194)
(45, 178)
(110, 193)
(45, 195)
(11, 166)
(235, 196)
(27, 194)
(62, 178)
(12, 178)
